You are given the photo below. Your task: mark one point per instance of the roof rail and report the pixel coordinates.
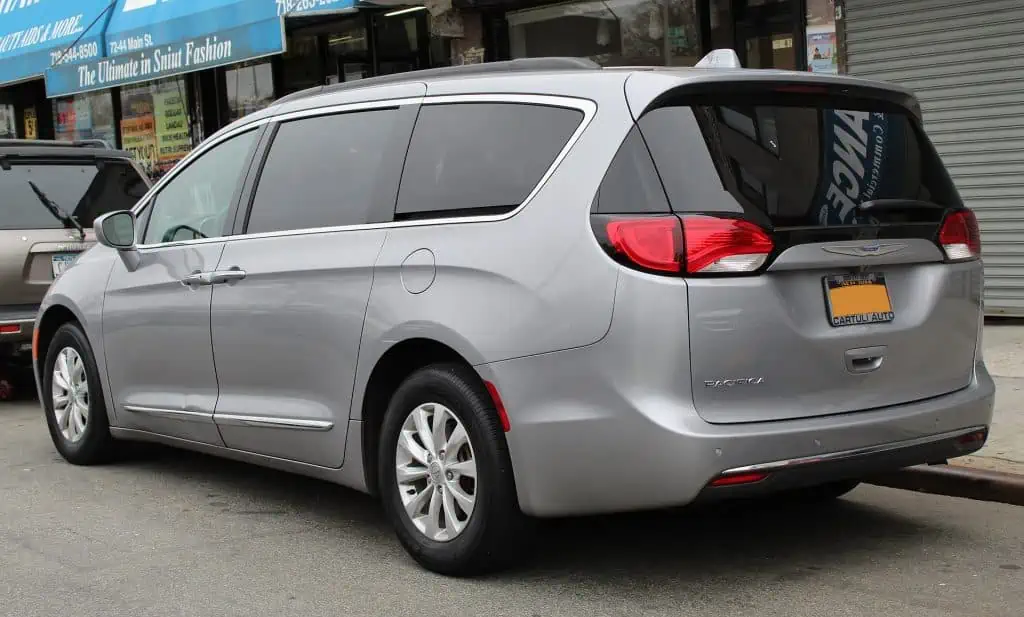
(53, 143)
(507, 66)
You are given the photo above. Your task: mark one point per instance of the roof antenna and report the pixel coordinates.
(720, 59)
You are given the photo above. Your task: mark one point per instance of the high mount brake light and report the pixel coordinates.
(960, 236)
(693, 244)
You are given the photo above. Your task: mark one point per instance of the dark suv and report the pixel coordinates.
(50, 194)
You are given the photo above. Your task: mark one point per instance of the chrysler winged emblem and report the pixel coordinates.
(866, 250)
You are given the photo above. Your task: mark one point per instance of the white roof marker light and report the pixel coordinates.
(720, 59)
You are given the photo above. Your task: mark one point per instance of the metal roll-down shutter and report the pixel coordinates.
(965, 60)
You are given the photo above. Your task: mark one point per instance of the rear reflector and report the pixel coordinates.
(499, 406)
(652, 243)
(10, 329)
(972, 438)
(724, 246)
(738, 478)
(960, 236)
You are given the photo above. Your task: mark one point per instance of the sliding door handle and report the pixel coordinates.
(227, 276)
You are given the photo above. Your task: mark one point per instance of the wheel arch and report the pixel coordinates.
(391, 369)
(52, 318)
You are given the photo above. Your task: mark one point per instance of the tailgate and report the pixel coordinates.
(857, 305)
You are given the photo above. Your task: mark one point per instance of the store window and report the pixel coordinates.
(610, 32)
(155, 124)
(250, 87)
(8, 130)
(85, 116)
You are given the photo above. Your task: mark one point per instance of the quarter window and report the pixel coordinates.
(475, 158)
(331, 171)
(196, 202)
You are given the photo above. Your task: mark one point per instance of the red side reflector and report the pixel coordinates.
(10, 329)
(652, 243)
(717, 245)
(35, 344)
(498, 406)
(738, 478)
(960, 236)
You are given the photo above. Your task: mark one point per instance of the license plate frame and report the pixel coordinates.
(868, 293)
(60, 262)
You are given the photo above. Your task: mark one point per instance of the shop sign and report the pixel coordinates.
(299, 7)
(860, 162)
(172, 130)
(138, 136)
(225, 47)
(31, 123)
(35, 34)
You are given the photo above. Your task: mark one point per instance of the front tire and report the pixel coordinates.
(76, 413)
(445, 474)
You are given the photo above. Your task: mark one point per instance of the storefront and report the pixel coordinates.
(965, 63)
(781, 34)
(170, 73)
(34, 35)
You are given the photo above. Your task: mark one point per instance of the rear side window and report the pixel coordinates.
(329, 171)
(631, 185)
(795, 163)
(479, 158)
(83, 189)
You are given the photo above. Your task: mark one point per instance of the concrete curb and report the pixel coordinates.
(954, 481)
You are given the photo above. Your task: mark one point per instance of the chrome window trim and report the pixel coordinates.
(586, 106)
(227, 419)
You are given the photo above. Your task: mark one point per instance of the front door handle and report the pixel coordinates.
(198, 279)
(233, 275)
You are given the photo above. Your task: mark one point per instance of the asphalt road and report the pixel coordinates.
(182, 534)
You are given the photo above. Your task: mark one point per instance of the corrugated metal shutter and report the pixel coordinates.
(965, 60)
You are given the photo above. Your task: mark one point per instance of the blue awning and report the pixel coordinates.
(35, 34)
(152, 39)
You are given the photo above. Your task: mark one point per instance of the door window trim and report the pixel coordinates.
(587, 106)
(148, 200)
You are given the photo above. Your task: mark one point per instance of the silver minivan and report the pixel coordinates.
(538, 288)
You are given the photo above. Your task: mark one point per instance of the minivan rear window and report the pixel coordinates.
(793, 165)
(82, 188)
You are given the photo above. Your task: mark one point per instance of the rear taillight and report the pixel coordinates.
(694, 244)
(960, 236)
(724, 246)
(653, 243)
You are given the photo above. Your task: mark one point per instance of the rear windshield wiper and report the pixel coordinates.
(56, 210)
(881, 205)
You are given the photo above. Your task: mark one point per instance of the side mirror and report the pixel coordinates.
(116, 230)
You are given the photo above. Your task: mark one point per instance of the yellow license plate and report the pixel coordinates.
(857, 299)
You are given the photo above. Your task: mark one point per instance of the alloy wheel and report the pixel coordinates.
(70, 392)
(436, 472)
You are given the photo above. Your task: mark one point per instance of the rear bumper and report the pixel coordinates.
(584, 443)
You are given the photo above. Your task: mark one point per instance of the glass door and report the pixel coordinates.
(768, 46)
(768, 33)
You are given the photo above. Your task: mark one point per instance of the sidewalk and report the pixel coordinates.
(1004, 356)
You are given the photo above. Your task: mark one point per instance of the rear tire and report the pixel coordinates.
(76, 412)
(426, 507)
